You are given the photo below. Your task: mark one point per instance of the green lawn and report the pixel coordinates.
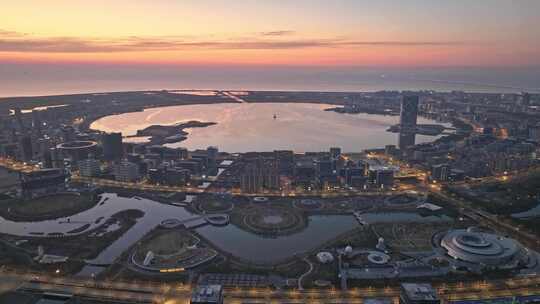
(48, 207)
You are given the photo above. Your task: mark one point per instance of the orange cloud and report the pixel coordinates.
(15, 42)
(263, 48)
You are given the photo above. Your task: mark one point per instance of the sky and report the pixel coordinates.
(412, 33)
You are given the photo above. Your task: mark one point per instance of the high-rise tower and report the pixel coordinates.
(112, 146)
(409, 113)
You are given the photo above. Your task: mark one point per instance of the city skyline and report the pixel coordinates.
(306, 151)
(248, 33)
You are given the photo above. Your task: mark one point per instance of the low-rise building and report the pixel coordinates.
(413, 293)
(207, 294)
(126, 172)
(440, 172)
(42, 182)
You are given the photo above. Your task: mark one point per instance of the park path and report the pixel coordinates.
(301, 278)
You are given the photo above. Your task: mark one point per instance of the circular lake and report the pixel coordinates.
(247, 127)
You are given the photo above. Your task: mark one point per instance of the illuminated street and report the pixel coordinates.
(162, 293)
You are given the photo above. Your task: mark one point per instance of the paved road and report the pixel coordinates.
(22, 167)
(195, 190)
(233, 97)
(16, 165)
(468, 209)
(161, 293)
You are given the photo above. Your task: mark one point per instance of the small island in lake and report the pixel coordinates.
(170, 134)
(422, 129)
(356, 109)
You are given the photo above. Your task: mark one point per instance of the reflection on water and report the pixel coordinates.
(109, 205)
(406, 140)
(231, 239)
(401, 217)
(252, 127)
(259, 249)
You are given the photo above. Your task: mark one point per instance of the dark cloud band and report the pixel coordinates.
(18, 42)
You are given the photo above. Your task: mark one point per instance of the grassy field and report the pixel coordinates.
(409, 236)
(167, 242)
(48, 207)
(77, 248)
(213, 204)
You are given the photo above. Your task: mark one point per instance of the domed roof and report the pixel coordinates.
(325, 257)
(481, 248)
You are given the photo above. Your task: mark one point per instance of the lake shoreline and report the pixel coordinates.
(265, 126)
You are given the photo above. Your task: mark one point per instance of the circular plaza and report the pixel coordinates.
(213, 205)
(273, 220)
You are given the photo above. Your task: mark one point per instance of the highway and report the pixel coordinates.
(146, 292)
(195, 190)
(17, 166)
(134, 186)
(528, 239)
(141, 186)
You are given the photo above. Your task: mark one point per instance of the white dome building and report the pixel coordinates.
(348, 250)
(325, 257)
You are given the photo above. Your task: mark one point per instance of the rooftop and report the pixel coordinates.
(207, 294)
(420, 292)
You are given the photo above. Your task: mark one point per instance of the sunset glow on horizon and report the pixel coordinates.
(306, 33)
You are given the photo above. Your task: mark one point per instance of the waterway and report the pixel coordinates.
(402, 217)
(247, 127)
(230, 239)
(266, 250)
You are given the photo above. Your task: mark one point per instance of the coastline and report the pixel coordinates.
(84, 111)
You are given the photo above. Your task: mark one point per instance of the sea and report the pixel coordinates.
(35, 79)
